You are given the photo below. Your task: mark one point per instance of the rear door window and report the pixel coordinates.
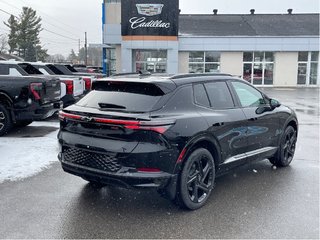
(219, 95)
(122, 97)
(13, 71)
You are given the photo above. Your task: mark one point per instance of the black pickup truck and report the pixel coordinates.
(24, 99)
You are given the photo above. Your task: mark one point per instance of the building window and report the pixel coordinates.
(308, 68)
(113, 1)
(258, 67)
(201, 62)
(152, 61)
(111, 61)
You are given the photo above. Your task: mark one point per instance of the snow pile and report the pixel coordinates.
(22, 157)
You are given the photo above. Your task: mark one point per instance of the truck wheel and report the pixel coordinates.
(285, 153)
(5, 120)
(196, 180)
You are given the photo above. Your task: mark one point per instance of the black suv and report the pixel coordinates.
(176, 134)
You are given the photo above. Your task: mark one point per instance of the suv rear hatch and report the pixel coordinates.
(115, 117)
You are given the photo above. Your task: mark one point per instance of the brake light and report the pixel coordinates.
(69, 86)
(63, 116)
(158, 129)
(35, 89)
(87, 83)
(156, 126)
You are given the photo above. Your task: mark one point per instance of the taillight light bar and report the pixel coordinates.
(156, 126)
(35, 89)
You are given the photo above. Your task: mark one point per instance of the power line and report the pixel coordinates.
(56, 20)
(43, 20)
(58, 34)
(9, 13)
(47, 30)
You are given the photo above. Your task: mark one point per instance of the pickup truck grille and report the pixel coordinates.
(92, 160)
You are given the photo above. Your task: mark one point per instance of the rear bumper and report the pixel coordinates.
(37, 112)
(126, 177)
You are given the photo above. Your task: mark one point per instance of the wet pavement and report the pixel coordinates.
(254, 201)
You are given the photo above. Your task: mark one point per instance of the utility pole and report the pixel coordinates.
(85, 49)
(79, 46)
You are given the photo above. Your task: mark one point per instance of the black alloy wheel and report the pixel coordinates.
(197, 179)
(285, 154)
(5, 120)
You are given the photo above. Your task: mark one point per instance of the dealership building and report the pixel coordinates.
(265, 49)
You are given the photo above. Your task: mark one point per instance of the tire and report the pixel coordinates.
(285, 153)
(23, 123)
(5, 120)
(196, 180)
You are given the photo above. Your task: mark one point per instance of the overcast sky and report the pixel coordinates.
(71, 18)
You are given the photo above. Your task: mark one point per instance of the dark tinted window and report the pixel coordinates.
(248, 96)
(200, 95)
(29, 68)
(219, 95)
(70, 68)
(122, 96)
(54, 69)
(63, 69)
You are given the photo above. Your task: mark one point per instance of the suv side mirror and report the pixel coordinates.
(274, 103)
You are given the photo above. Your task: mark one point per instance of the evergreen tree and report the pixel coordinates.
(24, 35)
(73, 57)
(42, 54)
(13, 35)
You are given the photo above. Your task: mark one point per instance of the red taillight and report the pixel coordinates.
(149, 170)
(35, 89)
(87, 83)
(63, 115)
(69, 86)
(156, 126)
(158, 129)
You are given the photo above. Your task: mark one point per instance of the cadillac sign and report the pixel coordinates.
(149, 9)
(150, 17)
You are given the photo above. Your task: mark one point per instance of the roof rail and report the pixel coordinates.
(190, 75)
(139, 73)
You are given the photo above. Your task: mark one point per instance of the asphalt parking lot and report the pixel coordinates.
(255, 201)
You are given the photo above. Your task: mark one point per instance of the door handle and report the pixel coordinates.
(218, 124)
(253, 119)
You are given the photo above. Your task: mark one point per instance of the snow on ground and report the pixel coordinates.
(23, 155)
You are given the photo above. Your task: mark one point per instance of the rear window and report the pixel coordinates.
(29, 68)
(122, 96)
(70, 68)
(55, 70)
